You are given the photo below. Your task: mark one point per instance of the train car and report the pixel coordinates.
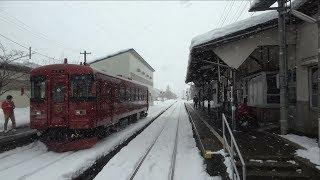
(73, 105)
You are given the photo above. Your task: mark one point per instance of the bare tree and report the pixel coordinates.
(11, 72)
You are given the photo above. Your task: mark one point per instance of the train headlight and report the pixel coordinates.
(80, 112)
(37, 113)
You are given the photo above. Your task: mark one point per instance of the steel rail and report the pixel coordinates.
(174, 153)
(138, 164)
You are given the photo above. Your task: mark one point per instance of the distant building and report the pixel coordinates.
(16, 83)
(129, 64)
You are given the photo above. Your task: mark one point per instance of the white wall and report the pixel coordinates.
(116, 65)
(136, 64)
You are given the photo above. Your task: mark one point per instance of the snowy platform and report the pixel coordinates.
(267, 155)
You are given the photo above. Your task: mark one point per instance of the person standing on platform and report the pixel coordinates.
(8, 111)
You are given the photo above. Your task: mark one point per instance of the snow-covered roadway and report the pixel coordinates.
(151, 155)
(33, 161)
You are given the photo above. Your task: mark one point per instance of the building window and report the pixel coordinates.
(273, 92)
(314, 87)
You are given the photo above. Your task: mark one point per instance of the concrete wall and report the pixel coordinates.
(116, 65)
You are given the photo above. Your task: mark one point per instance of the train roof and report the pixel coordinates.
(75, 69)
(66, 68)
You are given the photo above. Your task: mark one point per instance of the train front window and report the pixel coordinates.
(58, 93)
(82, 86)
(38, 88)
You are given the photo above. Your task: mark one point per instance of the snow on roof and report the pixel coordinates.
(124, 51)
(232, 28)
(111, 55)
(240, 25)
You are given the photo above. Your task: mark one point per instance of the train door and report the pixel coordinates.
(58, 102)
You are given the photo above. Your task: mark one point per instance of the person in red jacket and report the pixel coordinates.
(8, 107)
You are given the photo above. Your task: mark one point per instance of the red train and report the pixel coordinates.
(73, 105)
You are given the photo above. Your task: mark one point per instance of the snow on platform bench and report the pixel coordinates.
(312, 151)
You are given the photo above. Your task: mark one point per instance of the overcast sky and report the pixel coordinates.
(160, 32)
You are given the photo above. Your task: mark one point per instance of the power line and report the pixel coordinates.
(19, 44)
(34, 33)
(223, 12)
(241, 12)
(227, 14)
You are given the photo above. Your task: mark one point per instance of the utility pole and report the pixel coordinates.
(318, 23)
(30, 52)
(283, 67)
(85, 57)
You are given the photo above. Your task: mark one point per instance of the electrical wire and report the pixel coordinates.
(19, 44)
(34, 33)
(227, 14)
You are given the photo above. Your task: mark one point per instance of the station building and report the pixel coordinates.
(250, 48)
(129, 64)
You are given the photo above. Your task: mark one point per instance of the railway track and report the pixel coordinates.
(33, 160)
(94, 170)
(151, 147)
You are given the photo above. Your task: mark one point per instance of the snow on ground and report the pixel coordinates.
(189, 164)
(35, 162)
(22, 116)
(312, 151)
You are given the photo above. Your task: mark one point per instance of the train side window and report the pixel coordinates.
(135, 94)
(116, 93)
(122, 94)
(108, 93)
(128, 98)
(98, 91)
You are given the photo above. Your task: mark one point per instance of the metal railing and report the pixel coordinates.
(230, 149)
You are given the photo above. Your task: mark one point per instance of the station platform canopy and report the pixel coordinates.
(224, 43)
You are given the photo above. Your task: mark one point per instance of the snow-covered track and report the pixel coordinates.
(143, 158)
(91, 172)
(165, 150)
